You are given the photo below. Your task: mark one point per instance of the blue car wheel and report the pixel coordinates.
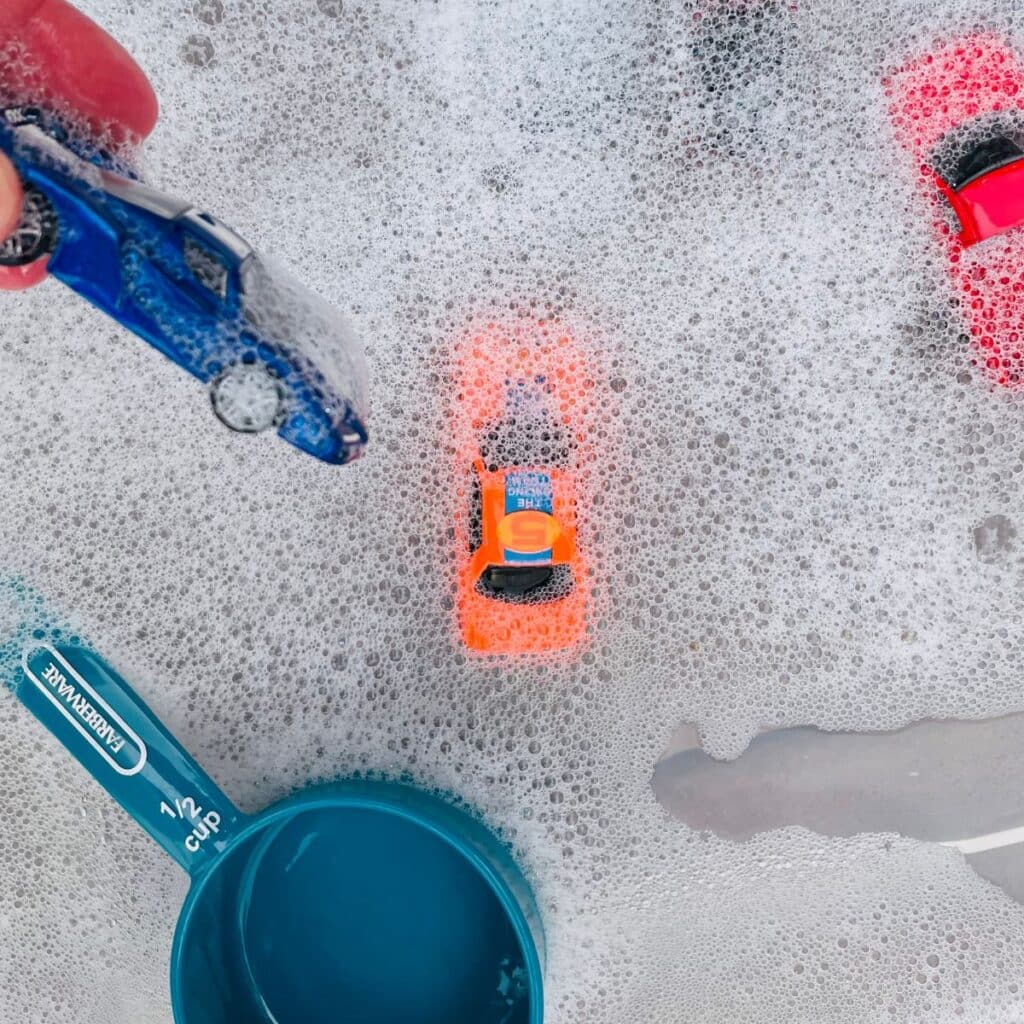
(36, 233)
(248, 398)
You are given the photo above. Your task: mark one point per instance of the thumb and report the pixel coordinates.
(10, 197)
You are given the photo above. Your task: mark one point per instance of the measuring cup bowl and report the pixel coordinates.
(359, 902)
(369, 902)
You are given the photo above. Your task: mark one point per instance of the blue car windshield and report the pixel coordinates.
(287, 314)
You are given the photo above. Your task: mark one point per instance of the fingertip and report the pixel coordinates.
(15, 13)
(81, 65)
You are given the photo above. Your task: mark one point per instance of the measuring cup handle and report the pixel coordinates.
(89, 708)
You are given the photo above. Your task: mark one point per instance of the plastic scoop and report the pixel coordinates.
(369, 902)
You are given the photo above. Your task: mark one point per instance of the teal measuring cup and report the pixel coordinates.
(361, 902)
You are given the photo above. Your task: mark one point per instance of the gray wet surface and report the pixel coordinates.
(939, 781)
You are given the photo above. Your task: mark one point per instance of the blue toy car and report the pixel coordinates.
(273, 353)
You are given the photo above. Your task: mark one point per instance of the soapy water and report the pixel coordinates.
(795, 463)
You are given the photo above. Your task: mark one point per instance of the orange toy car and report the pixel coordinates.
(521, 410)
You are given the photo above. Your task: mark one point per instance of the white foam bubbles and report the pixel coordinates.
(796, 457)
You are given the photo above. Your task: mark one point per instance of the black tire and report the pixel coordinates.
(36, 234)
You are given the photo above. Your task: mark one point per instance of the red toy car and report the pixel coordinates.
(520, 413)
(960, 112)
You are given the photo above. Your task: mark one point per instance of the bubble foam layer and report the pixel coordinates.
(808, 512)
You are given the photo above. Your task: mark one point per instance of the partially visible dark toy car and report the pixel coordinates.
(959, 111)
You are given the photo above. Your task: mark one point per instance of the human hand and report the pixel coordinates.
(53, 56)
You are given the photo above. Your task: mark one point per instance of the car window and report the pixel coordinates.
(207, 266)
(286, 313)
(526, 584)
